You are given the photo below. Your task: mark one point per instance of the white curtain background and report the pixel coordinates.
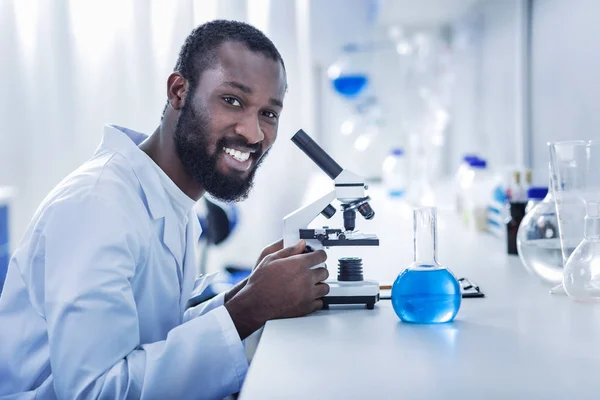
(67, 67)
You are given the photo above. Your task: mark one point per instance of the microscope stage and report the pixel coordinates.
(360, 292)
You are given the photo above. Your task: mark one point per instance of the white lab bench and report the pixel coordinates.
(517, 342)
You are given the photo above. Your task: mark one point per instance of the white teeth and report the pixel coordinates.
(238, 155)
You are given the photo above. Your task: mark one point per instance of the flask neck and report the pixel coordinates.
(592, 221)
(592, 228)
(425, 235)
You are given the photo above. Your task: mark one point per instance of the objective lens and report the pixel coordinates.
(349, 220)
(366, 211)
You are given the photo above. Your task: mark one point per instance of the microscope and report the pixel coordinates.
(349, 190)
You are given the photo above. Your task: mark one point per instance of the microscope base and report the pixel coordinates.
(362, 292)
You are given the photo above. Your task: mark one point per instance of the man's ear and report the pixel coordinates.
(177, 90)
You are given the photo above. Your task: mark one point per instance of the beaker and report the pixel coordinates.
(426, 292)
(575, 184)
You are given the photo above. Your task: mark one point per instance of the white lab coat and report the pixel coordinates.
(94, 300)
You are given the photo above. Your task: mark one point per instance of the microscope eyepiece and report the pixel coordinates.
(317, 154)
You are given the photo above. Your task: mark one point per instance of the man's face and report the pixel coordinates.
(229, 122)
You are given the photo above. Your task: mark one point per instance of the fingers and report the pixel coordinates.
(321, 290)
(273, 247)
(289, 251)
(270, 249)
(320, 274)
(316, 305)
(311, 259)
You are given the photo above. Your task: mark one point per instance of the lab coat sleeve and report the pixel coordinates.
(203, 308)
(92, 251)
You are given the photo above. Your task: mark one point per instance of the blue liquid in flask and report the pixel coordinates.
(350, 85)
(426, 295)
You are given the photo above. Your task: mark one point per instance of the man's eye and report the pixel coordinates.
(232, 100)
(270, 114)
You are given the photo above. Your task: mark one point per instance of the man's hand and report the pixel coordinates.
(283, 285)
(270, 249)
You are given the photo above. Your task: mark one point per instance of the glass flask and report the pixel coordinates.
(349, 74)
(581, 277)
(538, 243)
(425, 292)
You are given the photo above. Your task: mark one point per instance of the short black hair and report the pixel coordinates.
(199, 49)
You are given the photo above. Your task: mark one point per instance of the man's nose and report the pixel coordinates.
(250, 129)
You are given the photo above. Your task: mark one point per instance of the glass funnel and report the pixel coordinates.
(425, 292)
(575, 185)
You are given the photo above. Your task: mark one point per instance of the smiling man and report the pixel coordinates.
(94, 300)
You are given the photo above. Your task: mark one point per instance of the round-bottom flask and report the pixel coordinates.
(538, 242)
(581, 277)
(425, 292)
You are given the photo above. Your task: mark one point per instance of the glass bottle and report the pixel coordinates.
(477, 190)
(425, 292)
(517, 213)
(581, 278)
(462, 180)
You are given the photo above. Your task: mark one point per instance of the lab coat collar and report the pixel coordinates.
(125, 142)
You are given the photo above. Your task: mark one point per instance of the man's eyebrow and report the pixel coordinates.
(248, 90)
(275, 102)
(239, 86)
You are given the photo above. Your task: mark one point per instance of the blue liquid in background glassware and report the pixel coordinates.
(350, 85)
(426, 296)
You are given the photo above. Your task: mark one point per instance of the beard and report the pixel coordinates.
(191, 137)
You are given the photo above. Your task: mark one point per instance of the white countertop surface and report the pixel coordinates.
(517, 342)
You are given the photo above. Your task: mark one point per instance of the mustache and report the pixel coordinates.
(255, 149)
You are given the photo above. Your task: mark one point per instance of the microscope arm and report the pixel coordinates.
(299, 219)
